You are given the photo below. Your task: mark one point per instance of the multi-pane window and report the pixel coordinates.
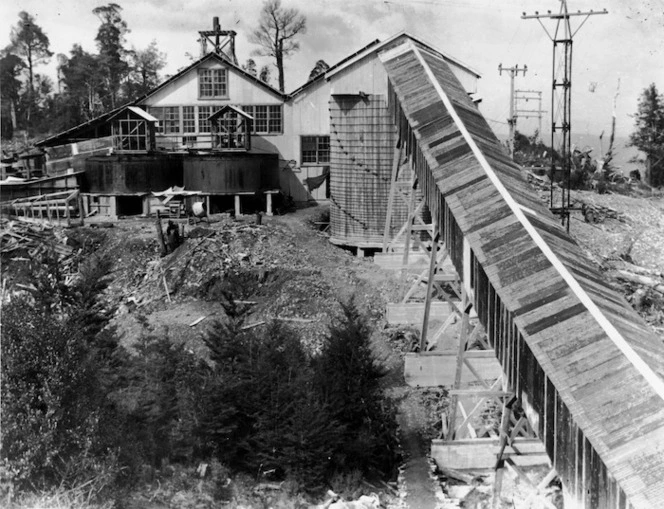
(188, 119)
(274, 119)
(158, 113)
(172, 119)
(260, 119)
(204, 113)
(315, 149)
(212, 83)
(267, 119)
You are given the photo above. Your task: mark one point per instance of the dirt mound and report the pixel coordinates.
(282, 269)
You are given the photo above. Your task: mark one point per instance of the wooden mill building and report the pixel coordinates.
(330, 139)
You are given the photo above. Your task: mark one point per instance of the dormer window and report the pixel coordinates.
(212, 83)
(230, 129)
(133, 130)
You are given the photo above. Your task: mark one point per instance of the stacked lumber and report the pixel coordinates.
(35, 238)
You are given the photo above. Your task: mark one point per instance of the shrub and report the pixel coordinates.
(54, 360)
(158, 403)
(347, 376)
(263, 412)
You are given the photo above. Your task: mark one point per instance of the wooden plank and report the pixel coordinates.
(480, 453)
(481, 393)
(438, 369)
(413, 312)
(393, 261)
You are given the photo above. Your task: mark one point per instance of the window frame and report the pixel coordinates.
(208, 79)
(203, 118)
(319, 140)
(273, 118)
(171, 121)
(131, 135)
(158, 112)
(188, 119)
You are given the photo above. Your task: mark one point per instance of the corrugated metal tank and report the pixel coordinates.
(362, 142)
(231, 173)
(132, 173)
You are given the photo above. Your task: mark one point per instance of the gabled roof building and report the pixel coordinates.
(336, 124)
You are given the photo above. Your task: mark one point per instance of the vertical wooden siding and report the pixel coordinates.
(362, 142)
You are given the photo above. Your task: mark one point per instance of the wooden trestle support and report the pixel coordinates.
(478, 385)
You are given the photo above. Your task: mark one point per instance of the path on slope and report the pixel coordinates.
(417, 484)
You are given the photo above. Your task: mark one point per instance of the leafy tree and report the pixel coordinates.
(250, 67)
(649, 134)
(110, 41)
(320, 67)
(277, 29)
(144, 70)
(82, 76)
(265, 74)
(10, 69)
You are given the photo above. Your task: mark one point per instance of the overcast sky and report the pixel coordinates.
(627, 44)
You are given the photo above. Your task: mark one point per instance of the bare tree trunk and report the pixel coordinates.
(280, 65)
(13, 114)
(31, 91)
(648, 175)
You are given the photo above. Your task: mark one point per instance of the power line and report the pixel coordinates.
(561, 98)
(511, 121)
(529, 95)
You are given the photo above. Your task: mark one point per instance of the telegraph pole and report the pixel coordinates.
(529, 95)
(513, 71)
(561, 99)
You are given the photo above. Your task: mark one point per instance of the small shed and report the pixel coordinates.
(133, 130)
(231, 129)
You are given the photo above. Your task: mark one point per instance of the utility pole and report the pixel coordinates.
(530, 95)
(561, 100)
(511, 121)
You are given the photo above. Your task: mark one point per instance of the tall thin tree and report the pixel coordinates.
(10, 85)
(29, 42)
(110, 41)
(277, 29)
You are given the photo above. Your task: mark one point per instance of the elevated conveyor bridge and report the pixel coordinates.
(587, 369)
